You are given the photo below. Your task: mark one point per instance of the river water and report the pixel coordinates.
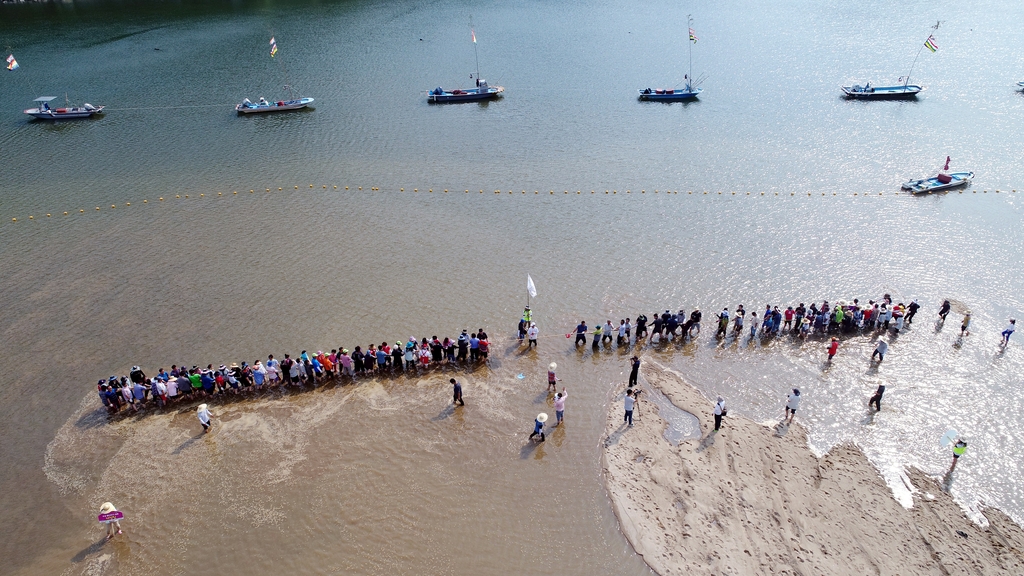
(384, 477)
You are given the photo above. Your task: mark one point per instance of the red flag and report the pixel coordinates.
(947, 163)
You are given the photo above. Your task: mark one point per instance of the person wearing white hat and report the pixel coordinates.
(538, 426)
(560, 406)
(204, 415)
(113, 526)
(531, 335)
(552, 379)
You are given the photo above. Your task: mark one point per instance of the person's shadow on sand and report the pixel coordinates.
(781, 429)
(613, 438)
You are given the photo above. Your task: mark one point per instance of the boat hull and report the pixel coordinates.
(929, 185)
(280, 106)
(669, 96)
(907, 92)
(64, 113)
(469, 95)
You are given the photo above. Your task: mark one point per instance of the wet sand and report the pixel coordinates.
(753, 499)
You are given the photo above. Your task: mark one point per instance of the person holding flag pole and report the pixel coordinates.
(531, 292)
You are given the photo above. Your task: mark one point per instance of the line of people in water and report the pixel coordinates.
(801, 321)
(138, 390)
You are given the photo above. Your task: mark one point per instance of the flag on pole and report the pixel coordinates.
(530, 288)
(273, 47)
(693, 36)
(473, 34)
(12, 64)
(930, 44)
(947, 163)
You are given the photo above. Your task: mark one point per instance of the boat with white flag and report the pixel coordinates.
(482, 90)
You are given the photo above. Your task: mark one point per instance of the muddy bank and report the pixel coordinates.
(754, 500)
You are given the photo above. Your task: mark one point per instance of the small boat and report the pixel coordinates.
(44, 112)
(481, 92)
(905, 91)
(869, 92)
(689, 92)
(247, 107)
(1021, 83)
(670, 95)
(941, 182)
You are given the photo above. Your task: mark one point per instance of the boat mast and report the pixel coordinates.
(919, 50)
(476, 51)
(689, 24)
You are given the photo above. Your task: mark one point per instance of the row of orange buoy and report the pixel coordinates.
(499, 191)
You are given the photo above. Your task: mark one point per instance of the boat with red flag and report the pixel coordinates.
(943, 181)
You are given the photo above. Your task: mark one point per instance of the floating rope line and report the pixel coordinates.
(538, 192)
(232, 106)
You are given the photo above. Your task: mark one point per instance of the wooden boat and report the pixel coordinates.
(869, 92)
(941, 182)
(247, 107)
(44, 112)
(688, 92)
(481, 92)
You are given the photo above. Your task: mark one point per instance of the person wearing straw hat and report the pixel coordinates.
(204, 415)
(538, 426)
(113, 526)
(552, 379)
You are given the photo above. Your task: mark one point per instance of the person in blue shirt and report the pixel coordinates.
(474, 346)
(581, 333)
(538, 426)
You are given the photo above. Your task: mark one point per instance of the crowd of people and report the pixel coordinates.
(138, 391)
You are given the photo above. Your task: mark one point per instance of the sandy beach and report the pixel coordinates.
(753, 499)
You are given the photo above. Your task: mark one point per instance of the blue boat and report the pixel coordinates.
(869, 92)
(481, 92)
(670, 95)
(1021, 83)
(941, 182)
(688, 92)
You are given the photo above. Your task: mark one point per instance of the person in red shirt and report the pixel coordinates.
(833, 348)
(789, 318)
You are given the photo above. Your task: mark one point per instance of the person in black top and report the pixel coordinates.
(876, 400)
(911, 310)
(641, 326)
(634, 363)
(522, 329)
(456, 392)
(944, 310)
(436, 353)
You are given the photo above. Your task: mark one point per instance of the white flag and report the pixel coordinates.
(530, 288)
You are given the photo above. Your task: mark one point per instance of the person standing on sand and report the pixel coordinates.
(634, 370)
(113, 527)
(628, 404)
(966, 324)
(880, 350)
(833, 348)
(876, 400)
(538, 426)
(720, 412)
(204, 415)
(792, 403)
(560, 406)
(958, 450)
(456, 392)
(1009, 330)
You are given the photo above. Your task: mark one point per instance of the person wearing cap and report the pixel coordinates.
(792, 403)
(527, 316)
(463, 342)
(397, 354)
(628, 403)
(720, 412)
(634, 370)
(538, 426)
(101, 389)
(522, 329)
(959, 447)
(137, 376)
(560, 405)
(113, 526)
(159, 391)
(531, 335)
(880, 350)
(1008, 331)
(597, 335)
(456, 392)
(966, 324)
(204, 415)
(833, 347)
